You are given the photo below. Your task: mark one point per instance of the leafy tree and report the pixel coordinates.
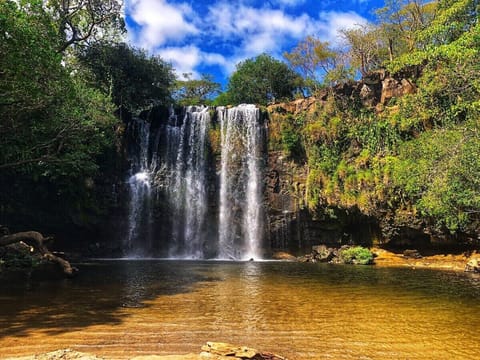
(400, 22)
(223, 99)
(366, 51)
(27, 59)
(85, 21)
(132, 78)
(313, 59)
(195, 91)
(53, 125)
(440, 172)
(262, 80)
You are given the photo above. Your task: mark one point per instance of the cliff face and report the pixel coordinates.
(353, 201)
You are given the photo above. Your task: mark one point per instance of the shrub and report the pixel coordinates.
(356, 255)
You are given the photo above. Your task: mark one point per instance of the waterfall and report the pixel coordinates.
(139, 207)
(240, 219)
(188, 187)
(170, 210)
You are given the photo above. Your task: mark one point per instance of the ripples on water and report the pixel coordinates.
(303, 311)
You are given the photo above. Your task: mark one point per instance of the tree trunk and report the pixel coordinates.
(38, 241)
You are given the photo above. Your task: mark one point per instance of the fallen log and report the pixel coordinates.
(37, 240)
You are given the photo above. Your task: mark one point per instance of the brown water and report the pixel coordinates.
(303, 311)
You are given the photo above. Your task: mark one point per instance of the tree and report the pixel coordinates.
(133, 79)
(262, 80)
(400, 22)
(53, 125)
(223, 99)
(38, 241)
(195, 91)
(313, 59)
(366, 50)
(81, 21)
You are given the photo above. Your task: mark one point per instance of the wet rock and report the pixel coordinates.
(412, 254)
(307, 258)
(322, 253)
(473, 265)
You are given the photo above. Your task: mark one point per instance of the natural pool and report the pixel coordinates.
(303, 311)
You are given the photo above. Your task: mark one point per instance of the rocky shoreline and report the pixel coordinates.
(210, 351)
(468, 261)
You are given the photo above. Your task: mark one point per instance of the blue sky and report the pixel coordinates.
(213, 36)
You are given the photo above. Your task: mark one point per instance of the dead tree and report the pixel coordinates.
(37, 240)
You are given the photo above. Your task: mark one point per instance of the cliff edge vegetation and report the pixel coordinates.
(402, 144)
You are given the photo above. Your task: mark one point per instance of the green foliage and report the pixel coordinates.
(314, 59)
(439, 172)
(29, 62)
(366, 50)
(262, 80)
(195, 91)
(356, 255)
(400, 22)
(291, 139)
(223, 99)
(81, 22)
(18, 258)
(416, 159)
(133, 79)
(54, 126)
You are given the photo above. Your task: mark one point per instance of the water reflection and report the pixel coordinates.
(304, 311)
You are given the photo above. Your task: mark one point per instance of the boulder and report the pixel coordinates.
(322, 253)
(412, 254)
(238, 352)
(395, 88)
(473, 265)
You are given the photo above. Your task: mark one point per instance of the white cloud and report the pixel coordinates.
(252, 31)
(288, 2)
(244, 21)
(185, 59)
(331, 22)
(228, 32)
(160, 22)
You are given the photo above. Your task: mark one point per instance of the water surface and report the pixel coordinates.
(303, 311)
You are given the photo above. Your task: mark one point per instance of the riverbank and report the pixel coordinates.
(210, 351)
(447, 261)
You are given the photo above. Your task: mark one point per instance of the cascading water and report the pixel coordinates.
(240, 221)
(188, 187)
(170, 179)
(139, 217)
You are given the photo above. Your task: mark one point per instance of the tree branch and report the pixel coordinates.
(38, 241)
